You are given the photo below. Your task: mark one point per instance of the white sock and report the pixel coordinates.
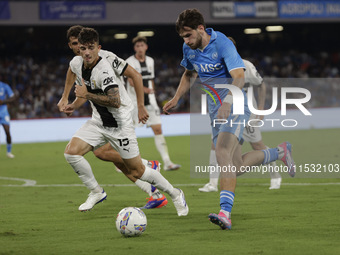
(145, 186)
(156, 179)
(162, 149)
(273, 174)
(213, 176)
(84, 171)
(145, 162)
(156, 194)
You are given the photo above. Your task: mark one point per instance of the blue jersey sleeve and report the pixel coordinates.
(9, 91)
(230, 55)
(185, 61)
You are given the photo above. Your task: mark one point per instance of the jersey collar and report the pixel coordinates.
(212, 33)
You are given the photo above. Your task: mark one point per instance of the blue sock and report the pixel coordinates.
(9, 148)
(226, 200)
(270, 155)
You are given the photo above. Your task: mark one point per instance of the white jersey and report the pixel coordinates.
(251, 78)
(147, 70)
(98, 80)
(118, 65)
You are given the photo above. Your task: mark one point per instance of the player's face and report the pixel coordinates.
(191, 37)
(74, 45)
(140, 48)
(89, 53)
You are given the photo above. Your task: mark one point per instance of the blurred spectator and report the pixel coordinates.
(39, 82)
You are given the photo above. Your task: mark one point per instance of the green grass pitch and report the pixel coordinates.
(300, 218)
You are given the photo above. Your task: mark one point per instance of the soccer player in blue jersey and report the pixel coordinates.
(6, 96)
(212, 57)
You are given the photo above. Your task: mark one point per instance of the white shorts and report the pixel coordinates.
(252, 134)
(122, 139)
(154, 116)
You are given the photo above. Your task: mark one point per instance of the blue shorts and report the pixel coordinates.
(235, 124)
(4, 119)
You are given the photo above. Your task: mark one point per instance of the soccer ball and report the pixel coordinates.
(131, 221)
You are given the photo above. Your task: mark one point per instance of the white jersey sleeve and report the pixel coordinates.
(118, 65)
(75, 66)
(252, 77)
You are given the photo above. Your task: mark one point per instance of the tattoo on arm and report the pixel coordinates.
(112, 98)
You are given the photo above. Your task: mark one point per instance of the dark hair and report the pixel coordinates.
(232, 39)
(88, 36)
(189, 18)
(73, 31)
(139, 39)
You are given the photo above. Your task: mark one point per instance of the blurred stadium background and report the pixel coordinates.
(35, 55)
(283, 38)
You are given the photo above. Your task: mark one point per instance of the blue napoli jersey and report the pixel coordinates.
(5, 92)
(214, 63)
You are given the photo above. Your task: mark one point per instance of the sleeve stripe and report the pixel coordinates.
(124, 69)
(237, 68)
(110, 87)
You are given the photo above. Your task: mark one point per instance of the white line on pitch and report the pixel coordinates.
(27, 184)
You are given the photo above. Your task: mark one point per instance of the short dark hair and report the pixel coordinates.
(73, 31)
(139, 39)
(189, 18)
(88, 36)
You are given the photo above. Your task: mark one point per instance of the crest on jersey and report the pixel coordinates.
(214, 55)
(192, 56)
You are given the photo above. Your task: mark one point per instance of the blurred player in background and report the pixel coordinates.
(6, 96)
(111, 122)
(145, 66)
(106, 152)
(250, 134)
(203, 47)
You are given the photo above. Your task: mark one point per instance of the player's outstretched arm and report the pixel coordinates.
(8, 100)
(70, 108)
(146, 90)
(70, 79)
(183, 87)
(137, 81)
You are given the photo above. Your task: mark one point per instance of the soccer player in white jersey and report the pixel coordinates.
(204, 47)
(106, 152)
(111, 122)
(145, 66)
(250, 134)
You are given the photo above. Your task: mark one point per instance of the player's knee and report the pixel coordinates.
(258, 146)
(98, 154)
(157, 129)
(70, 150)
(223, 155)
(72, 159)
(138, 171)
